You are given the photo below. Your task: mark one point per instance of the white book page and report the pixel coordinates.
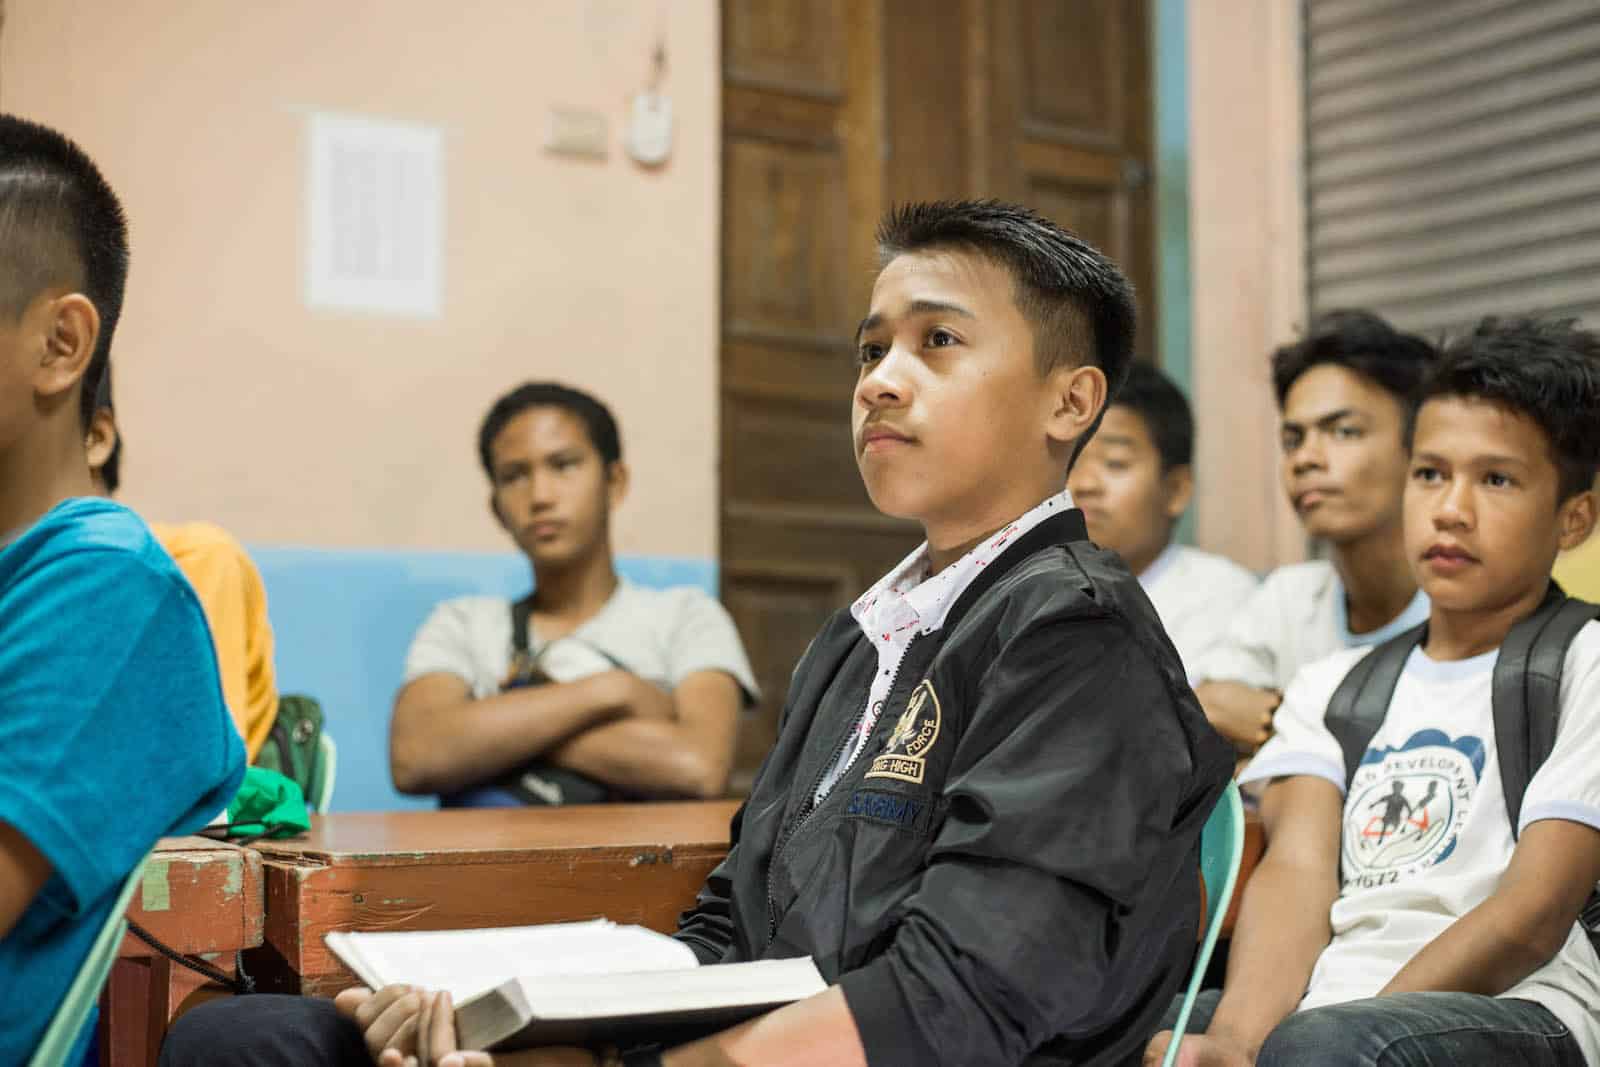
(468, 962)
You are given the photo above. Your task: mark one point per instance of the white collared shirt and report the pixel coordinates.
(907, 602)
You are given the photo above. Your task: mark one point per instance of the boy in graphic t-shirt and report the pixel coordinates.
(1448, 941)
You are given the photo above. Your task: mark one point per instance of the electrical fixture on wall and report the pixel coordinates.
(649, 134)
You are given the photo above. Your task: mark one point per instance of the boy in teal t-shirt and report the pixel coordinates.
(113, 730)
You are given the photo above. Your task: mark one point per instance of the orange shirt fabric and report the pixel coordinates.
(1578, 571)
(235, 601)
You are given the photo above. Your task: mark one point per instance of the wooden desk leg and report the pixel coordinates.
(123, 1014)
(140, 1001)
(171, 986)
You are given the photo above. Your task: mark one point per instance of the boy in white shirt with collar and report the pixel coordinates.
(1398, 915)
(1343, 391)
(1134, 482)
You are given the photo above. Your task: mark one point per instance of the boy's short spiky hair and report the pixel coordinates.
(1079, 304)
(1157, 400)
(594, 415)
(60, 224)
(1547, 370)
(1359, 341)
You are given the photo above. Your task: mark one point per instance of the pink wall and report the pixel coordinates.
(293, 425)
(1247, 245)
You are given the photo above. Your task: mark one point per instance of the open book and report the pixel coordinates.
(574, 983)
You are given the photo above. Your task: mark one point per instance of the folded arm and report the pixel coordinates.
(689, 754)
(441, 739)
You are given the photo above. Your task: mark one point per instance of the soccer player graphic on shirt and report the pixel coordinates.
(1392, 813)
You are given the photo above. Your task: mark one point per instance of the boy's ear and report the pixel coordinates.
(494, 509)
(1576, 519)
(616, 484)
(1077, 396)
(71, 326)
(101, 438)
(1179, 485)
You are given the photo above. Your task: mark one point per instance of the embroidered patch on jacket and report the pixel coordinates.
(905, 755)
(907, 813)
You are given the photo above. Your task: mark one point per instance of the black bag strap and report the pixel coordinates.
(1527, 691)
(521, 612)
(1357, 707)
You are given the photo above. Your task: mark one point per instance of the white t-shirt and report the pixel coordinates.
(1426, 835)
(1297, 616)
(661, 635)
(1196, 593)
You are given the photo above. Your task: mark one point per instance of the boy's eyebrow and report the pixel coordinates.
(1114, 438)
(1320, 420)
(1491, 460)
(917, 307)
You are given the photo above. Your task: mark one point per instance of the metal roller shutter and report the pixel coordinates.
(1453, 158)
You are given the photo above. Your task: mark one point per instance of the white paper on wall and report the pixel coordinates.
(375, 215)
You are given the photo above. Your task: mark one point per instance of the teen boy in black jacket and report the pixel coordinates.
(982, 815)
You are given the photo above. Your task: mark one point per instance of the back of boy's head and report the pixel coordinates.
(1079, 304)
(1547, 370)
(1358, 341)
(595, 416)
(1157, 400)
(60, 225)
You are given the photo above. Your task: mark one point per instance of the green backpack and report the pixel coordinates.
(293, 747)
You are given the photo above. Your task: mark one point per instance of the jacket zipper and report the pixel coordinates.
(811, 804)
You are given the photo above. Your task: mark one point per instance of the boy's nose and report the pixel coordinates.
(882, 386)
(1454, 510)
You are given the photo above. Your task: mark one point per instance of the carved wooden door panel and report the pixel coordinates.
(833, 110)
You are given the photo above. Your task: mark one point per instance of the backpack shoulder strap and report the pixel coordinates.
(1357, 707)
(521, 612)
(1527, 691)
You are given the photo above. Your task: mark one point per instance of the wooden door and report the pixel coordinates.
(833, 110)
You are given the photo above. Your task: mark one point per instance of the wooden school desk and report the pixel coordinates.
(199, 897)
(464, 868)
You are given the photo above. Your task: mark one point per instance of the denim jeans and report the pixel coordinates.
(1410, 1030)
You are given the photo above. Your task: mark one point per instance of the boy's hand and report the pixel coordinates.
(436, 1044)
(387, 1018)
(1197, 1050)
(1241, 713)
(640, 698)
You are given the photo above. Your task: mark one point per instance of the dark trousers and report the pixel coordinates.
(264, 1031)
(1409, 1030)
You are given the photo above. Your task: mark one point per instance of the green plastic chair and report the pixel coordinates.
(68, 1022)
(323, 775)
(1221, 849)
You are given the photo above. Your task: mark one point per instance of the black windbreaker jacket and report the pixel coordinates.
(1007, 874)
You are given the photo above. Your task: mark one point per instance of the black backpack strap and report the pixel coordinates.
(521, 612)
(1527, 691)
(1357, 707)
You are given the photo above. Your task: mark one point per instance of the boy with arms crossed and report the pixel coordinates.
(113, 731)
(982, 814)
(1397, 918)
(640, 689)
(1342, 392)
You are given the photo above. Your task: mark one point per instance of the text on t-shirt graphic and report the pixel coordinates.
(1406, 806)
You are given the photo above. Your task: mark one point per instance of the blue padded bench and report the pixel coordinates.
(343, 619)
